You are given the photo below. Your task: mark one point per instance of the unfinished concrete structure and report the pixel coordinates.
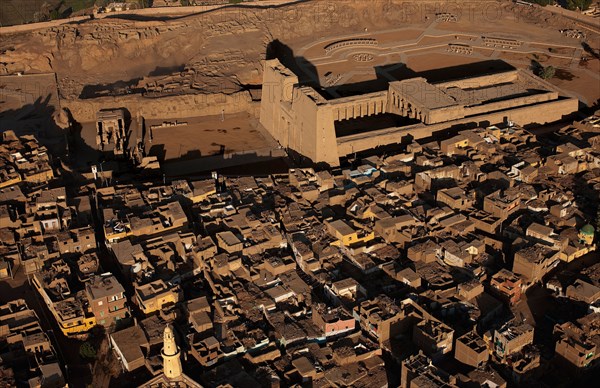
(303, 120)
(111, 131)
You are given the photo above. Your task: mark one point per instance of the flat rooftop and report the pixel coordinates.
(103, 286)
(426, 94)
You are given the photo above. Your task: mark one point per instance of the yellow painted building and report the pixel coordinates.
(346, 235)
(72, 317)
(77, 327)
(155, 296)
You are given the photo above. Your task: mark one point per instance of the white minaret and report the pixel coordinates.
(170, 355)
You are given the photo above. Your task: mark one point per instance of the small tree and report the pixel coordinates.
(546, 72)
(87, 351)
(541, 2)
(582, 5)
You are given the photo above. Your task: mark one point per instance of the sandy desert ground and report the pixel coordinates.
(229, 44)
(197, 65)
(207, 136)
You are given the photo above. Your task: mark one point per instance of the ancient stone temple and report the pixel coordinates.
(323, 129)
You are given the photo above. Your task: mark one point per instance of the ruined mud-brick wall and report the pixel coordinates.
(174, 107)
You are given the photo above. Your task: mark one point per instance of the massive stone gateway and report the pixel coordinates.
(303, 120)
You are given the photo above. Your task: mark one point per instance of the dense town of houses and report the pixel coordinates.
(417, 265)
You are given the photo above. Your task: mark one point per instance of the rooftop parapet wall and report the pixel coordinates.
(508, 104)
(481, 81)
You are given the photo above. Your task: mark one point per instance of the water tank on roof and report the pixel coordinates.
(137, 267)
